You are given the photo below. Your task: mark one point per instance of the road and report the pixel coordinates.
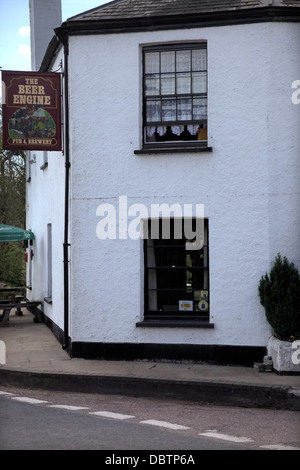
(44, 420)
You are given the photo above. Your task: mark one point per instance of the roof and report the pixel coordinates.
(150, 15)
(127, 16)
(121, 9)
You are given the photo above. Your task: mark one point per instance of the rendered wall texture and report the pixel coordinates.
(248, 184)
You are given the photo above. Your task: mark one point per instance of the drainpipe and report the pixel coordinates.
(64, 40)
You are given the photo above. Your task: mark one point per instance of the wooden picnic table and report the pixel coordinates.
(11, 292)
(7, 305)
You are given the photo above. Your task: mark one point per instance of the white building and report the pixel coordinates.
(187, 104)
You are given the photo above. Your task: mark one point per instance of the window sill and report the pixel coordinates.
(162, 150)
(174, 324)
(48, 300)
(44, 166)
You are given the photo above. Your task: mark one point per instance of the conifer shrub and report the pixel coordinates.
(279, 293)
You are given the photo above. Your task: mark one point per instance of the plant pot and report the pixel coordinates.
(283, 356)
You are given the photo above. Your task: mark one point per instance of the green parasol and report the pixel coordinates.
(8, 233)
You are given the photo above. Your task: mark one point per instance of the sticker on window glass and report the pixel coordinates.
(203, 305)
(185, 305)
(200, 295)
(197, 294)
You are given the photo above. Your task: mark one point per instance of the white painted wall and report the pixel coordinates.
(249, 184)
(45, 196)
(45, 187)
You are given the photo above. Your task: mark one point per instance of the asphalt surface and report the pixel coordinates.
(35, 359)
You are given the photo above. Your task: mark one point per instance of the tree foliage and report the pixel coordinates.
(279, 294)
(12, 212)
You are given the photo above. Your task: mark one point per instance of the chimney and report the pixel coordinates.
(45, 15)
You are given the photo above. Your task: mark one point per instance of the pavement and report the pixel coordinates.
(35, 359)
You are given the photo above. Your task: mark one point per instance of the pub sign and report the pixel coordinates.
(31, 110)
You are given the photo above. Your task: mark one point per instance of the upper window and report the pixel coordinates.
(175, 94)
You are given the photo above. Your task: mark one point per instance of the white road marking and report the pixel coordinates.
(69, 407)
(209, 433)
(108, 414)
(29, 400)
(225, 437)
(279, 447)
(164, 424)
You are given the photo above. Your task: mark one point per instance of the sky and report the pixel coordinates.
(15, 29)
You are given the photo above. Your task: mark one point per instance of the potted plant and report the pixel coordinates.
(279, 293)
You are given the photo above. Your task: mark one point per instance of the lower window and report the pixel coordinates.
(176, 269)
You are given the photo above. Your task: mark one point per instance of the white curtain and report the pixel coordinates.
(161, 130)
(193, 129)
(177, 130)
(151, 131)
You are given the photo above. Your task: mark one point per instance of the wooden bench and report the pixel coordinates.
(6, 306)
(11, 292)
(18, 299)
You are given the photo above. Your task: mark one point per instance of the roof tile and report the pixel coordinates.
(122, 9)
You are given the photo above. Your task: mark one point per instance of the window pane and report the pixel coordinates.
(169, 110)
(184, 109)
(184, 83)
(175, 93)
(152, 85)
(152, 62)
(153, 110)
(168, 62)
(174, 274)
(183, 61)
(199, 60)
(200, 108)
(168, 84)
(199, 82)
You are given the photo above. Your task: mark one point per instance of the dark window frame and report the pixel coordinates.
(170, 316)
(184, 140)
